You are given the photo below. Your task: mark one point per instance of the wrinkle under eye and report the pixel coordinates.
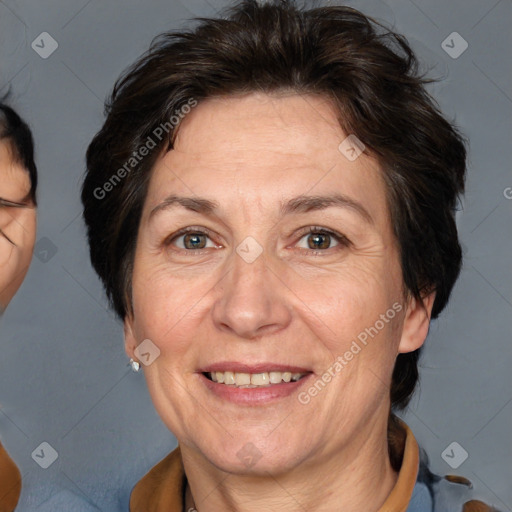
(6, 237)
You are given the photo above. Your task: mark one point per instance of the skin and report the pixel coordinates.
(17, 225)
(250, 153)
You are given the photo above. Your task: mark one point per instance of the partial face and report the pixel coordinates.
(264, 254)
(17, 225)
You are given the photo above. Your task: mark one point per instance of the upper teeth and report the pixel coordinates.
(254, 379)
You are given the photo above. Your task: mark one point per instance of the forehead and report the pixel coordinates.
(14, 179)
(263, 148)
(285, 123)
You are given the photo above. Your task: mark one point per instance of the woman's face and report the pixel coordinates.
(17, 225)
(289, 265)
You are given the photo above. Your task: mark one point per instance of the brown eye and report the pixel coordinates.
(194, 241)
(321, 240)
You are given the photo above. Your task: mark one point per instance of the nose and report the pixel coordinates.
(252, 300)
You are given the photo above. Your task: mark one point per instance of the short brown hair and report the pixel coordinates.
(371, 74)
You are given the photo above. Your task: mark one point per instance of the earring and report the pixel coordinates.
(134, 365)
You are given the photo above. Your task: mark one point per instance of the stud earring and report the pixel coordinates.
(134, 365)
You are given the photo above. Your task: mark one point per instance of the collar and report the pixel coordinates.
(163, 488)
(10, 482)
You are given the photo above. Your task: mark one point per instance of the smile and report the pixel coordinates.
(253, 380)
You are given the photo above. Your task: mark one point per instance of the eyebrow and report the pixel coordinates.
(304, 204)
(299, 204)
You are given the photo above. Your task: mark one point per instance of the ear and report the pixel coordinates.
(130, 340)
(416, 323)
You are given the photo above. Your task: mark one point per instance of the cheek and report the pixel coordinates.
(350, 295)
(29, 223)
(356, 305)
(166, 309)
(6, 251)
(15, 259)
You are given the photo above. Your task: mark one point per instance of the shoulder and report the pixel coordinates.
(10, 482)
(66, 500)
(161, 488)
(49, 497)
(449, 493)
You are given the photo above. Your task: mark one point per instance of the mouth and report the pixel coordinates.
(244, 380)
(253, 384)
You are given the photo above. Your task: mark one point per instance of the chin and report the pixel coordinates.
(256, 455)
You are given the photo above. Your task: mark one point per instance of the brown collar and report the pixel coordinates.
(10, 482)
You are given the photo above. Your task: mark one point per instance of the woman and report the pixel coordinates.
(18, 183)
(270, 207)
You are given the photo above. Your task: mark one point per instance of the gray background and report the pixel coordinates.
(63, 372)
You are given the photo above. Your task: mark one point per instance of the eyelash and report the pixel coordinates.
(342, 240)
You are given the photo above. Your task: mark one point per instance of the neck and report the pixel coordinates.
(357, 477)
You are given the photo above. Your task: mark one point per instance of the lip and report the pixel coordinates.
(253, 396)
(237, 367)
